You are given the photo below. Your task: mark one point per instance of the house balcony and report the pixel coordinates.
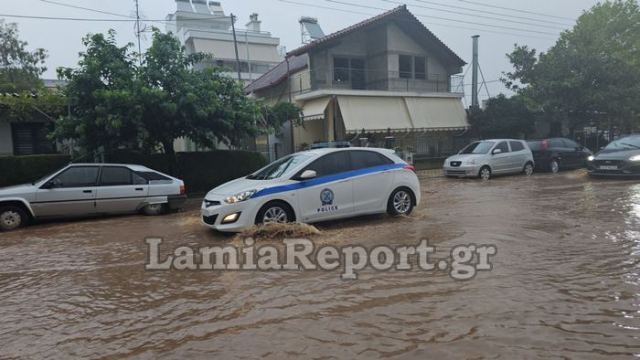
(376, 81)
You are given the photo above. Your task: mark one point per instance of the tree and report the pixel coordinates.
(503, 118)
(102, 94)
(591, 75)
(20, 69)
(170, 95)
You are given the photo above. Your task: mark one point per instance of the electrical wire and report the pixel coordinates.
(515, 10)
(445, 19)
(475, 15)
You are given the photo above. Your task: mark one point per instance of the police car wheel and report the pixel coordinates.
(275, 212)
(401, 202)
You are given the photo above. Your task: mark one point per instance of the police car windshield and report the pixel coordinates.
(279, 168)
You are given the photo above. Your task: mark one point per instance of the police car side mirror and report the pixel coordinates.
(308, 174)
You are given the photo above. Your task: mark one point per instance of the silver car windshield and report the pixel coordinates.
(481, 147)
(279, 168)
(628, 143)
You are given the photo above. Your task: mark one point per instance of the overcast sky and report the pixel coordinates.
(62, 39)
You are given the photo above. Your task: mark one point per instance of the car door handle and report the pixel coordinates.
(87, 191)
(139, 189)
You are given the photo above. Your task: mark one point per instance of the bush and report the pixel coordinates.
(201, 171)
(25, 169)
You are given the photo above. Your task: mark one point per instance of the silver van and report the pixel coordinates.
(486, 158)
(80, 190)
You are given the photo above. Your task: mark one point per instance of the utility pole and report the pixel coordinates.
(138, 32)
(235, 45)
(474, 76)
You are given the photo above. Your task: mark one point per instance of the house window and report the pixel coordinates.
(31, 139)
(341, 70)
(420, 67)
(406, 66)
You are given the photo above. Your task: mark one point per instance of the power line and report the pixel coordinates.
(430, 23)
(474, 15)
(493, 13)
(515, 10)
(86, 9)
(445, 19)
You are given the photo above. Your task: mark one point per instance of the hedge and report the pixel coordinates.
(201, 171)
(16, 170)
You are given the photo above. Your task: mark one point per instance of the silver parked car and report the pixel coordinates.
(486, 158)
(88, 190)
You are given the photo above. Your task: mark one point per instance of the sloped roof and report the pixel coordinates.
(406, 20)
(299, 58)
(279, 73)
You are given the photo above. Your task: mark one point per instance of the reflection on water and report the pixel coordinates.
(566, 283)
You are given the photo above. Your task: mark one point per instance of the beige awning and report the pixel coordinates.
(314, 109)
(400, 114)
(374, 114)
(437, 113)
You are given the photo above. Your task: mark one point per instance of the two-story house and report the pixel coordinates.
(387, 80)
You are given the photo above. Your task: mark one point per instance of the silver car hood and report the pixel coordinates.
(464, 157)
(616, 155)
(17, 190)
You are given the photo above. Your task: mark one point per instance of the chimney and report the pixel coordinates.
(254, 23)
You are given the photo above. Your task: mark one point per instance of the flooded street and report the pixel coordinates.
(565, 284)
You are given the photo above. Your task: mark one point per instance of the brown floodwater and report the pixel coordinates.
(565, 284)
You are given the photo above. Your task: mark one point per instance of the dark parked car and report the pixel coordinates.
(558, 154)
(621, 158)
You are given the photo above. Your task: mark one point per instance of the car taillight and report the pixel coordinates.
(410, 167)
(545, 145)
(183, 190)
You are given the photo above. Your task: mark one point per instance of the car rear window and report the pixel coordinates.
(152, 176)
(535, 145)
(368, 159)
(516, 146)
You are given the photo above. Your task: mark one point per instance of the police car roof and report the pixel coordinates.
(323, 151)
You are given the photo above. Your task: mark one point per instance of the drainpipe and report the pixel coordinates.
(293, 143)
(474, 81)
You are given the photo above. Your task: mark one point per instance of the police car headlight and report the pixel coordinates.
(591, 158)
(239, 197)
(635, 158)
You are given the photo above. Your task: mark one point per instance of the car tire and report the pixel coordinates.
(12, 218)
(275, 212)
(554, 166)
(485, 173)
(528, 169)
(401, 202)
(154, 209)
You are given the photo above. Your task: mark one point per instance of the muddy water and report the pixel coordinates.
(565, 283)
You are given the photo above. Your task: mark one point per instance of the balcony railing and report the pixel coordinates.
(375, 80)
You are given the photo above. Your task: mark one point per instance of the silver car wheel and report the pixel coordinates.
(485, 174)
(555, 167)
(10, 220)
(528, 169)
(275, 215)
(402, 202)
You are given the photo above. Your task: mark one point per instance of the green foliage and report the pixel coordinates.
(503, 118)
(43, 105)
(20, 69)
(592, 74)
(16, 170)
(223, 166)
(103, 96)
(170, 95)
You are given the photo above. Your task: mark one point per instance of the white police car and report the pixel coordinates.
(313, 186)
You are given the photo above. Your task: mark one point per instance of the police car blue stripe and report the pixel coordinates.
(326, 179)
